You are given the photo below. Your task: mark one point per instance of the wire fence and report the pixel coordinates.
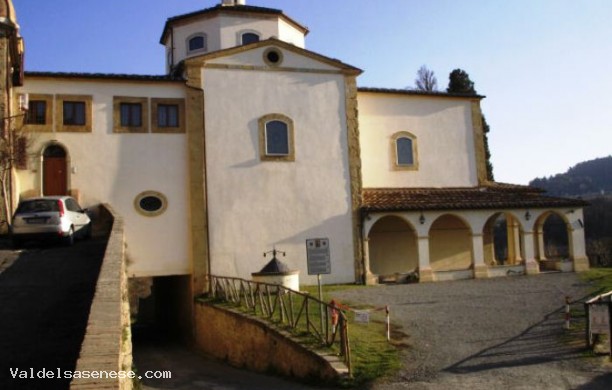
(300, 313)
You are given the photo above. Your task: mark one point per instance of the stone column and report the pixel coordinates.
(480, 268)
(425, 272)
(531, 264)
(577, 248)
(370, 278)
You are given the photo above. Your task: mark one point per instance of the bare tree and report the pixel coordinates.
(426, 80)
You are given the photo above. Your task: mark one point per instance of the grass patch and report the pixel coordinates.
(372, 356)
(601, 278)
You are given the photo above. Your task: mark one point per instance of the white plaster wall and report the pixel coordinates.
(255, 205)
(445, 140)
(224, 32)
(209, 26)
(115, 168)
(288, 33)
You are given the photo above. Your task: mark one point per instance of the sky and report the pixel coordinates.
(543, 65)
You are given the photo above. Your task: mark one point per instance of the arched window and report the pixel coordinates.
(276, 138)
(249, 37)
(197, 43)
(404, 151)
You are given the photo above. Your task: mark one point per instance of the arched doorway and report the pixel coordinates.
(450, 244)
(55, 170)
(392, 247)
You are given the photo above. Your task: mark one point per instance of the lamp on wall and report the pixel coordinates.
(527, 215)
(422, 219)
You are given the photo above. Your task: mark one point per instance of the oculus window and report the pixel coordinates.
(276, 140)
(150, 203)
(404, 151)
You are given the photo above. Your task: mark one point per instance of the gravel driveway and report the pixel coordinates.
(504, 333)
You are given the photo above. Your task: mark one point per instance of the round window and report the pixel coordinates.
(150, 203)
(273, 57)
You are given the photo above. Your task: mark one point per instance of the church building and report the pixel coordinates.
(251, 141)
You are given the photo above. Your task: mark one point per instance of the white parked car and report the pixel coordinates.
(58, 217)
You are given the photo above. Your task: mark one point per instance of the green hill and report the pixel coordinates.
(587, 179)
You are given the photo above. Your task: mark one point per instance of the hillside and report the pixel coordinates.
(586, 179)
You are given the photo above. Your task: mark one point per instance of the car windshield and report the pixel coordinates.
(37, 206)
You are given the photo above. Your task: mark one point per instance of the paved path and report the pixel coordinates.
(504, 333)
(45, 297)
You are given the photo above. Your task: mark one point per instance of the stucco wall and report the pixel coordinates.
(107, 167)
(256, 204)
(444, 140)
(247, 342)
(225, 31)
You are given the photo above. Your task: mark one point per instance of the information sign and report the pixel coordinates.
(317, 253)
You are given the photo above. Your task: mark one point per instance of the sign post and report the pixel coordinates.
(318, 259)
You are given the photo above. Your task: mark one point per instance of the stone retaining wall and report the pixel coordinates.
(247, 342)
(108, 342)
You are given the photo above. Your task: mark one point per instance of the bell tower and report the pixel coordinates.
(226, 3)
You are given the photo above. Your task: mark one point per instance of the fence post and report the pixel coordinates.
(567, 312)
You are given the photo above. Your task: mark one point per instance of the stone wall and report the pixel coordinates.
(247, 342)
(108, 341)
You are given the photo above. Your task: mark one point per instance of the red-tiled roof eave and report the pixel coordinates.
(414, 92)
(478, 198)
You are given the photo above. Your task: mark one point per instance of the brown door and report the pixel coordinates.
(54, 171)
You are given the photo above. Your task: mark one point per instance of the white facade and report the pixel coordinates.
(256, 204)
(444, 140)
(108, 167)
(229, 200)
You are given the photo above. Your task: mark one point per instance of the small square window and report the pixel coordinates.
(167, 115)
(74, 113)
(131, 114)
(37, 112)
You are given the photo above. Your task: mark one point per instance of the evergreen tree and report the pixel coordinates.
(459, 82)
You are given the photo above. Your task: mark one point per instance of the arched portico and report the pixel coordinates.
(392, 246)
(553, 233)
(503, 240)
(450, 244)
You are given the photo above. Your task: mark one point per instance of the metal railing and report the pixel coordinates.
(300, 313)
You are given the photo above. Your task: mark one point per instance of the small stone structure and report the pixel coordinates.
(277, 272)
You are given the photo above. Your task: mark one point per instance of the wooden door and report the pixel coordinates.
(54, 172)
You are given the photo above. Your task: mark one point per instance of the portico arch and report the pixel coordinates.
(392, 246)
(553, 238)
(502, 237)
(450, 244)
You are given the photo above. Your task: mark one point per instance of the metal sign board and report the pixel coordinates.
(362, 316)
(317, 254)
(599, 319)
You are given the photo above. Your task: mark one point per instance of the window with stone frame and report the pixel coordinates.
(130, 114)
(74, 113)
(404, 151)
(276, 138)
(168, 115)
(39, 116)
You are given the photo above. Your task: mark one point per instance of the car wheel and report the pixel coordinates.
(69, 239)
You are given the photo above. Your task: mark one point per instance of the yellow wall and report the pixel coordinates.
(393, 247)
(450, 245)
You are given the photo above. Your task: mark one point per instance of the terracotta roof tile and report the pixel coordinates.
(109, 76)
(416, 92)
(494, 196)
